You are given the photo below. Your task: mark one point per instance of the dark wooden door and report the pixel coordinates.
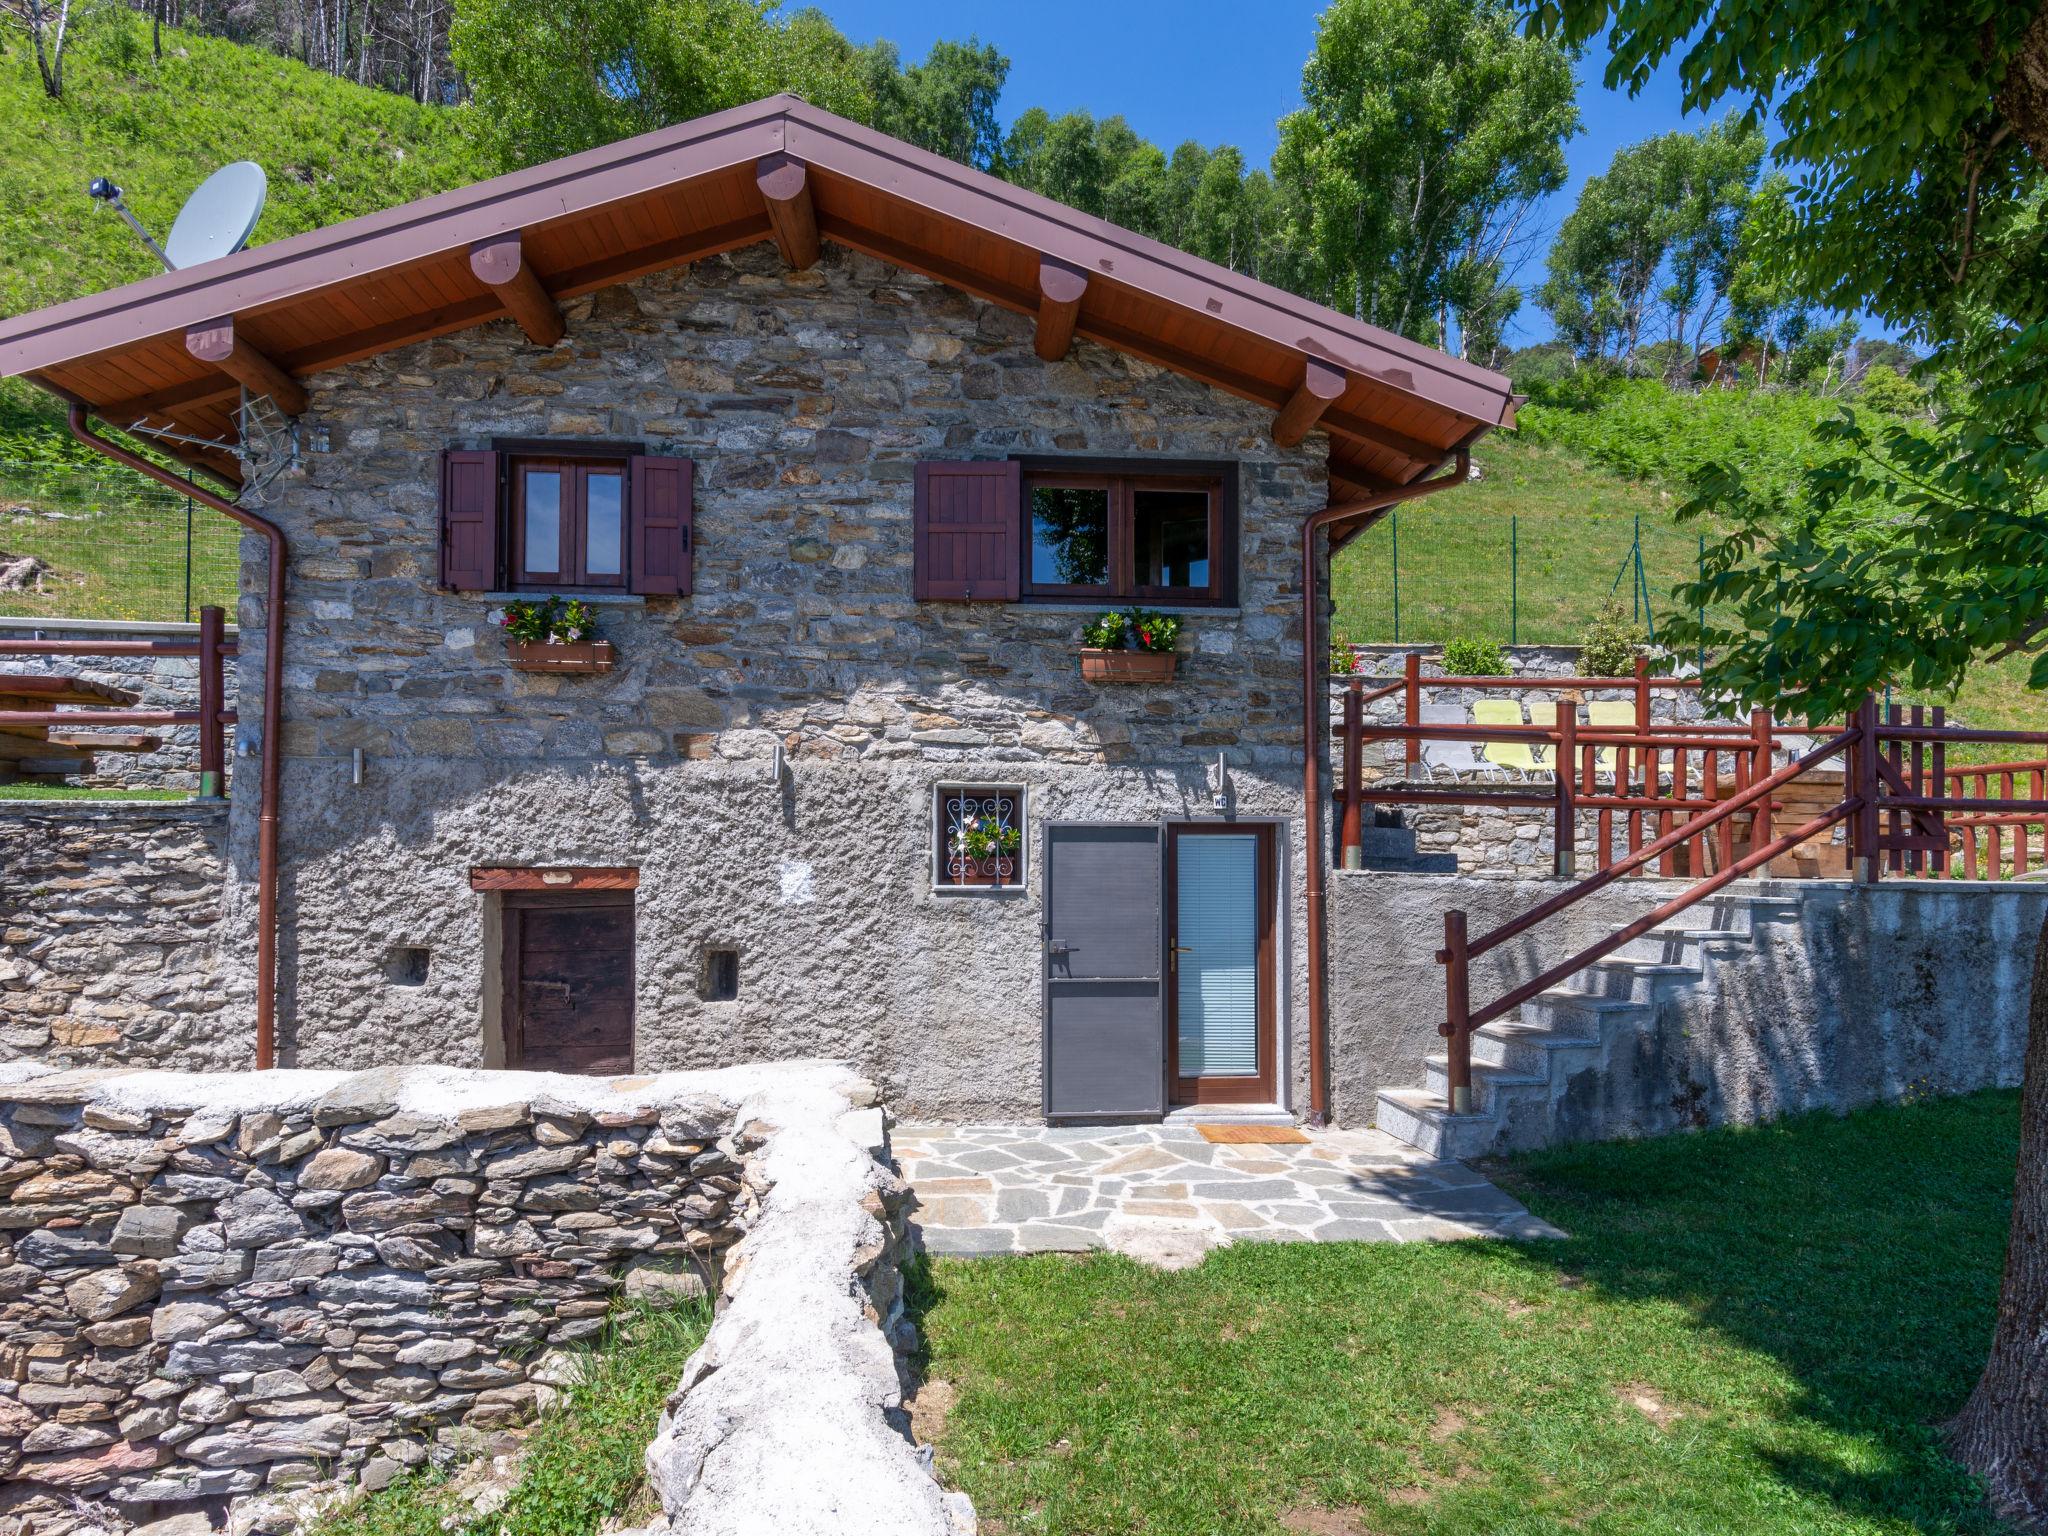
(569, 981)
(1105, 1053)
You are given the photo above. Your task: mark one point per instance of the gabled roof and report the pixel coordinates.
(776, 169)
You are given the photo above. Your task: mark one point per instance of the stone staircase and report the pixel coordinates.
(1530, 1086)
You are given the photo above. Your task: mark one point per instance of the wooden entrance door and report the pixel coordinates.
(1220, 966)
(569, 981)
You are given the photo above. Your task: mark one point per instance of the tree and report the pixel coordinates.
(1429, 131)
(550, 77)
(1670, 207)
(947, 104)
(1919, 132)
(48, 24)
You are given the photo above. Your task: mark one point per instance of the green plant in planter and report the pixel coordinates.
(1611, 643)
(549, 621)
(1151, 631)
(985, 839)
(1474, 658)
(1343, 659)
(1106, 632)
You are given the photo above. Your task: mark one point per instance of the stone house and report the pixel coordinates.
(842, 444)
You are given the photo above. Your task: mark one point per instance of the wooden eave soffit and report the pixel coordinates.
(1322, 386)
(216, 344)
(500, 264)
(786, 189)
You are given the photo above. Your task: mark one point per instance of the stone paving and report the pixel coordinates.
(1165, 1194)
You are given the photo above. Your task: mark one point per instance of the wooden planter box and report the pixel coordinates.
(1127, 666)
(577, 656)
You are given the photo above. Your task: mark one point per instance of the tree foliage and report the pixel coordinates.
(1668, 208)
(1429, 131)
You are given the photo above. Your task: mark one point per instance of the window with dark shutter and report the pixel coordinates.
(659, 516)
(469, 521)
(967, 532)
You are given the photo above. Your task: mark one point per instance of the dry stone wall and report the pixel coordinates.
(224, 1288)
(110, 921)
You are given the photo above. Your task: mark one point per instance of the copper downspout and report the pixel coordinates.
(1314, 709)
(273, 712)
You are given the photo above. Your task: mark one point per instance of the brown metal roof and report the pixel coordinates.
(333, 295)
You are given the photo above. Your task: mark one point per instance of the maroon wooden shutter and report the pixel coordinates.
(469, 521)
(969, 548)
(658, 515)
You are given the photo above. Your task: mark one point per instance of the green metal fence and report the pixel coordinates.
(1423, 575)
(82, 544)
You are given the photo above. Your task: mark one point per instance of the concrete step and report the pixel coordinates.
(1424, 1120)
(1514, 1046)
(1490, 1082)
(1633, 980)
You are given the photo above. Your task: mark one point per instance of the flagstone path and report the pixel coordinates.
(1165, 1194)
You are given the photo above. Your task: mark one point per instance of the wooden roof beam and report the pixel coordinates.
(1322, 385)
(1060, 287)
(500, 264)
(215, 343)
(786, 188)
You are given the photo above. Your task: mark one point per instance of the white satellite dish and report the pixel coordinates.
(218, 219)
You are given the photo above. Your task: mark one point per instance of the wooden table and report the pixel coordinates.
(55, 748)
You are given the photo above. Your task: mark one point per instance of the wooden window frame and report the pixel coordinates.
(576, 472)
(1122, 479)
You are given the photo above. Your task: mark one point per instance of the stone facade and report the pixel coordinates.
(164, 682)
(213, 1288)
(110, 931)
(806, 401)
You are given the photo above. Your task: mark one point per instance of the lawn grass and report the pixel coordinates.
(86, 792)
(582, 1464)
(1748, 1331)
(117, 547)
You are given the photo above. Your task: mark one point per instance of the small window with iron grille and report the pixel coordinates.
(978, 837)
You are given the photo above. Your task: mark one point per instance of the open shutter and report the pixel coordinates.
(969, 548)
(469, 521)
(659, 513)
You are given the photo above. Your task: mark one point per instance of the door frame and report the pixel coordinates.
(512, 907)
(1264, 1087)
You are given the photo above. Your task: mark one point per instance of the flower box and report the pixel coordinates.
(996, 869)
(568, 656)
(1127, 666)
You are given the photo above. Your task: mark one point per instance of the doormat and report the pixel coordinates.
(1255, 1135)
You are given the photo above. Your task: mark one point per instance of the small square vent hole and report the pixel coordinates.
(406, 966)
(721, 976)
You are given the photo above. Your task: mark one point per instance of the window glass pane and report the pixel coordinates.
(1170, 537)
(1069, 537)
(601, 525)
(543, 552)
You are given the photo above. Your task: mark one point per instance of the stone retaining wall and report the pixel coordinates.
(215, 1287)
(110, 917)
(165, 682)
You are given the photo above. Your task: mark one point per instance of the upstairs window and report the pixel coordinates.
(557, 521)
(1081, 532)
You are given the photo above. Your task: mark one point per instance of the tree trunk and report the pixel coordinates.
(2002, 1432)
(2022, 95)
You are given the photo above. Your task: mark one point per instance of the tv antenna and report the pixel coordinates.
(217, 219)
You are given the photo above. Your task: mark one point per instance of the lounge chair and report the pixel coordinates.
(1517, 757)
(1451, 758)
(1608, 715)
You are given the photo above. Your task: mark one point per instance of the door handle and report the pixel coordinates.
(1183, 949)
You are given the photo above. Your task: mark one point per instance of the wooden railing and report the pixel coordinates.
(1994, 846)
(1656, 773)
(1889, 766)
(46, 722)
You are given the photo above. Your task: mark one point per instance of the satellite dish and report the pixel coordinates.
(218, 219)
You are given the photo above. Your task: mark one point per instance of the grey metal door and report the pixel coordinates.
(1105, 1027)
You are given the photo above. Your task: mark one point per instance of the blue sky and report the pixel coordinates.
(1204, 69)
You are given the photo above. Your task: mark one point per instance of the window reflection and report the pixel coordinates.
(543, 521)
(1069, 536)
(1170, 538)
(603, 525)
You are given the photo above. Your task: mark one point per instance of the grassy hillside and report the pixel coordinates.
(1576, 521)
(333, 151)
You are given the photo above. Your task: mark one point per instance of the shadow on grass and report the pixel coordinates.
(1863, 1253)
